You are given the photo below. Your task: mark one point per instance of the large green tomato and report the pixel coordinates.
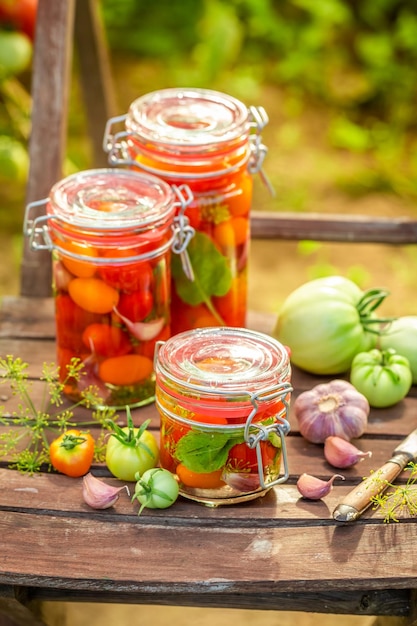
(326, 321)
(383, 377)
(401, 335)
(131, 451)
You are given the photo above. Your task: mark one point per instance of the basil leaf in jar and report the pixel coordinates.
(212, 276)
(205, 452)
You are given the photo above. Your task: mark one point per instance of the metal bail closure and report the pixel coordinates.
(183, 232)
(115, 144)
(37, 228)
(259, 119)
(256, 432)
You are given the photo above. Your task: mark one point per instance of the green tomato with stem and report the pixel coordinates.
(157, 488)
(383, 376)
(131, 450)
(326, 321)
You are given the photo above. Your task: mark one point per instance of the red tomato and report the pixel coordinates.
(232, 306)
(171, 433)
(136, 306)
(207, 419)
(242, 458)
(194, 215)
(21, 14)
(72, 453)
(130, 277)
(106, 340)
(186, 316)
(71, 321)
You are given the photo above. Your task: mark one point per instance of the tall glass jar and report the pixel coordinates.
(223, 396)
(111, 233)
(212, 142)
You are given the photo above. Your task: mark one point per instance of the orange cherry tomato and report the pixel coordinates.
(232, 233)
(240, 227)
(93, 294)
(224, 235)
(72, 453)
(240, 199)
(106, 340)
(82, 269)
(209, 480)
(125, 370)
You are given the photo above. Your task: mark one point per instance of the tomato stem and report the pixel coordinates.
(70, 442)
(129, 437)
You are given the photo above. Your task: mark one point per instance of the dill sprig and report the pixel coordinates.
(400, 500)
(26, 444)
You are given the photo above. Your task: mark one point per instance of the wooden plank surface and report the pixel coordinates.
(332, 227)
(279, 551)
(161, 557)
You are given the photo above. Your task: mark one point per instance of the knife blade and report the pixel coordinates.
(359, 499)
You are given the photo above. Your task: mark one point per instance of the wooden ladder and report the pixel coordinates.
(61, 26)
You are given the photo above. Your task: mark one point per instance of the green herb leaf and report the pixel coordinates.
(212, 274)
(205, 452)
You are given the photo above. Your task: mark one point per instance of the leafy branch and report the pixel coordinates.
(400, 500)
(27, 446)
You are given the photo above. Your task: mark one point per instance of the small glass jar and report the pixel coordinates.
(223, 396)
(111, 233)
(212, 142)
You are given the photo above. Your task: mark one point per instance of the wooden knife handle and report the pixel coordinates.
(355, 503)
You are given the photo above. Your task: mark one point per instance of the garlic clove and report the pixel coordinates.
(144, 331)
(314, 488)
(98, 494)
(341, 453)
(242, 481)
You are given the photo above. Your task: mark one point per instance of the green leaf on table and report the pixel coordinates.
(212, 274)
(205, 452)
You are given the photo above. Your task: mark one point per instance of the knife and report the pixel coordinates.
(359, 499)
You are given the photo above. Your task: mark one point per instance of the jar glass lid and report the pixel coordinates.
(112, 199)
(189, 120)
(223, 358)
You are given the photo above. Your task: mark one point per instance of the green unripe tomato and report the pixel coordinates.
(15, 53)
(14, 160)
(383, 376)
(130, 450)
(401, 335)
(157, 488)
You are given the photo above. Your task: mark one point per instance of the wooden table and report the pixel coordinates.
(279, 552)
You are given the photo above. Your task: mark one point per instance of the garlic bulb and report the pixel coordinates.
(98, 494)
(314, 488)
(334, 408)
(341, 453)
